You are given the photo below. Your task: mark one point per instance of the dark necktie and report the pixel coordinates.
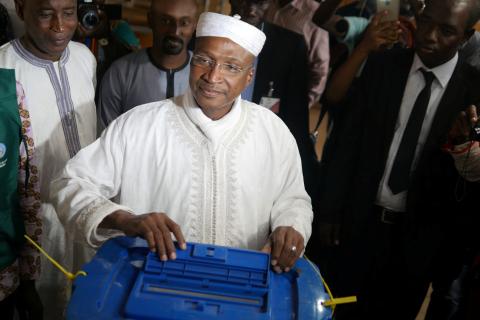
(400, 174)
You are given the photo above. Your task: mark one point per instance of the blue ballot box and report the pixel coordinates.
(126, 281)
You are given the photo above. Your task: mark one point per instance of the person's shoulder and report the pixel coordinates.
(266, 117)
(133, 57)
(467, 67)
(471, 76)
(469, 51)
(278, 38)
(271, 30)
(6, 49)
(386, 60)
(78, 48)
(131, 60)
(8, 57)
(257, 109)
(394, 54)
(81, 54)
(146, 113)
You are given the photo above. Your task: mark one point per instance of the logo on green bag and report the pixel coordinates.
(3, 151)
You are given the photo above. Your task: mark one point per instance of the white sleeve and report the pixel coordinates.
(293, 207)
(81, 193)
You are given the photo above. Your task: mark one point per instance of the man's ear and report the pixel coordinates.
(19, 6)
(250, 75)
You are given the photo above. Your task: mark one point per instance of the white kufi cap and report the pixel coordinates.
(249, 37)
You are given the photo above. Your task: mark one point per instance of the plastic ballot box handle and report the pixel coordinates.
(310, 292)
(210, 252)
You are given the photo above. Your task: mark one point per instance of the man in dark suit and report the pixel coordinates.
(388, 188)
(281, 74)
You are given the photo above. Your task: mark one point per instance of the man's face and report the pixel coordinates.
(441, 30)
(251, 11)
(173, 23)
(216, 88)
(49, 25)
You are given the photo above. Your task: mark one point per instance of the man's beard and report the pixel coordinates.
(172, 45)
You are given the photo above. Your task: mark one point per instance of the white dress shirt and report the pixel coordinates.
(415, 84)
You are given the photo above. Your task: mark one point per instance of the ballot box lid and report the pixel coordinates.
(126, 281)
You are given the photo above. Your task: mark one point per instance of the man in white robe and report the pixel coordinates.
(206, 166)
(58, 78)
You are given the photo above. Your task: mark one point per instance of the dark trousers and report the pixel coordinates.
(452, 286)
(7, 307)
(13, 303)
(371, 263)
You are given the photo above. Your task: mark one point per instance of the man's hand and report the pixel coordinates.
(460, 131)
(285, 246)
(380, 34)
(28, 301)
(154, 227)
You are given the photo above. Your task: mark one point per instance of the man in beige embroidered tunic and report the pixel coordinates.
(58, 76)
(206, 166)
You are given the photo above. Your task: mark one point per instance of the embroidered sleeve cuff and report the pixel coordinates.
(91, 218)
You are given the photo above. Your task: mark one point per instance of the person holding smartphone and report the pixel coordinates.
(379, 35)
(389, 198)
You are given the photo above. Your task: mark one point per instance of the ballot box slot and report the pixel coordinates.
(204, 280)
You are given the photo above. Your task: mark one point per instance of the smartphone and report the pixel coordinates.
(392, 6)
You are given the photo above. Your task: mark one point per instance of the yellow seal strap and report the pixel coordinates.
(333, 301)
(69, 275)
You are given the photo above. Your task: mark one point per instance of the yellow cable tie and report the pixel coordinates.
(69, 275)
(336, 301)
(333, 301)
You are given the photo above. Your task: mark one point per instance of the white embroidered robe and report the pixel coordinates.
(227, 182)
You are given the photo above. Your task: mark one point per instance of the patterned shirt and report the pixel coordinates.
(27, 266)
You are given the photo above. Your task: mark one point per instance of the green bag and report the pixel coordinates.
(11, 221)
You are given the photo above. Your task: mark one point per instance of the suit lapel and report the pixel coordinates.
(395, 92)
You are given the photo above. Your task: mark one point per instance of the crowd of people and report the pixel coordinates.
(205, 137)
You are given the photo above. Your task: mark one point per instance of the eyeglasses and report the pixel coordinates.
(226, 68)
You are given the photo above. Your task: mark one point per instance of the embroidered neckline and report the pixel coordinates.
(36, 61)
(61, 87)
(227, 162)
